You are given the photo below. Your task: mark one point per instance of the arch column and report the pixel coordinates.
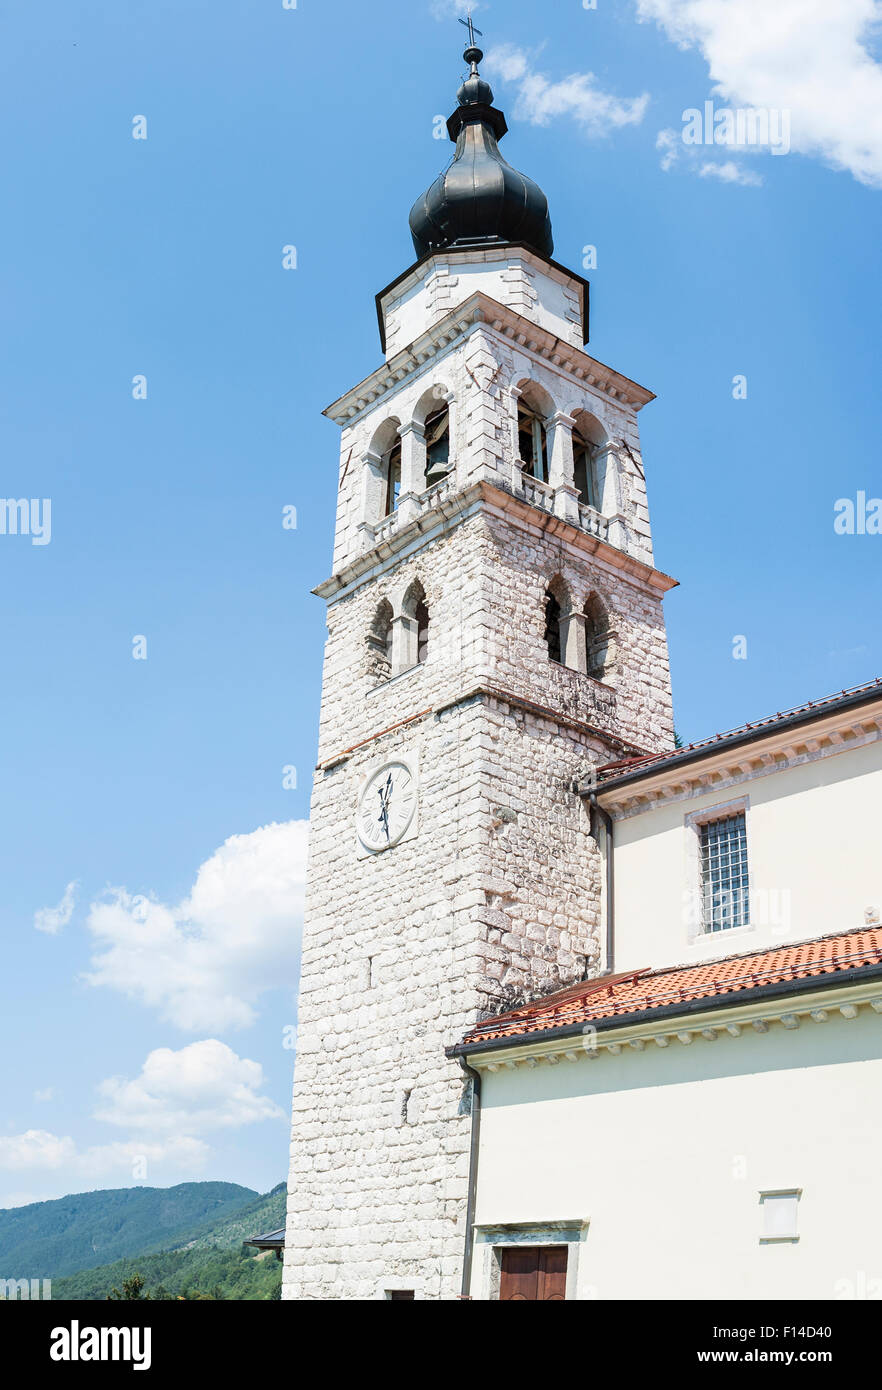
(373, 485)
(573, 644)
(517, 479)
(405, 643)
(561, 467)
(452, 422)
(606, 473)
(413, 470)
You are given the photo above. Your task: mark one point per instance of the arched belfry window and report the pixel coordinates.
(598, 641)
(392, 474)
(415, 627)
(584, 475)
(553, 627)
(422, 622)
(380, 643)
(532, 443)
(588, 436)
(437, 430)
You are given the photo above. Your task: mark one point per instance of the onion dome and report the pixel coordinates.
(480, 199)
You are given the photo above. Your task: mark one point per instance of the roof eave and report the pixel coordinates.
(739, 999)
(738, 739)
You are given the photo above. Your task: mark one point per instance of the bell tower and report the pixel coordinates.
(495, 629)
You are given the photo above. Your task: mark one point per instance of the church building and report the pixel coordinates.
(582, 1015)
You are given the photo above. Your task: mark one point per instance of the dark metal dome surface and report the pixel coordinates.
(480, 199)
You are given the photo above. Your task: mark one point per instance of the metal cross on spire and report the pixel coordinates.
(472, 30)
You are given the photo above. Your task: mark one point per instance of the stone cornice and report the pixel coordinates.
(801, 1002)
(483, 690)
(455, 507)
(644, 575)
(481, 310)
(451, 508)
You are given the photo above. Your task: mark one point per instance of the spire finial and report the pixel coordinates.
(480, 200)
(473, 54)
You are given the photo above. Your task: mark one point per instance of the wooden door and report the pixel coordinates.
(534, 1272)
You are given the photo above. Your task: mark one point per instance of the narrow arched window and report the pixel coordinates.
(422, 622)
(380, 643)
(597, 640)
(437, 446)
(584, 474)
(393, 478)
(553, 627)
(532, 444)
(414, 627)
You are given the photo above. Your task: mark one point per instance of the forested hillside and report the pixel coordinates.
(51, 1239)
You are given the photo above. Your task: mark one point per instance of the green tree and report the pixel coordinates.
(132, 1289)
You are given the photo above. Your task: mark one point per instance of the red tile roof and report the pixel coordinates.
(618, 996)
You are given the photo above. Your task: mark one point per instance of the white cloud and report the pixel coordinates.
(202, 1087)
(808, 57)
(447, 9)
(52, 919)
(668, 141)
(673, 151)
(37, 1150)
(47, 1094)
(539, 100)
(730, 172)
(176, 1098)
(205, 962)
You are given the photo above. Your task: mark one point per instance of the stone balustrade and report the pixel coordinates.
(533, 490)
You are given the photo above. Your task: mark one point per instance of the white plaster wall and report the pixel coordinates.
(813, 854)
(517, 280)
(664, 1153)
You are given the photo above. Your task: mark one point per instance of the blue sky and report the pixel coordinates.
(150, 784)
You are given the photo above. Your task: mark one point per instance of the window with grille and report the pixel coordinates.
(724, 880)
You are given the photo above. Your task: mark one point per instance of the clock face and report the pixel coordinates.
(386, 807)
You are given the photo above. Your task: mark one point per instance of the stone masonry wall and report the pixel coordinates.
(494, 893)
(485, 580)
(495, 896)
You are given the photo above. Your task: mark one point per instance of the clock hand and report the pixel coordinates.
(384, 793)
(386, 797)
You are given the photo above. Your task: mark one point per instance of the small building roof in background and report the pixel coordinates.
(272, 1240)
